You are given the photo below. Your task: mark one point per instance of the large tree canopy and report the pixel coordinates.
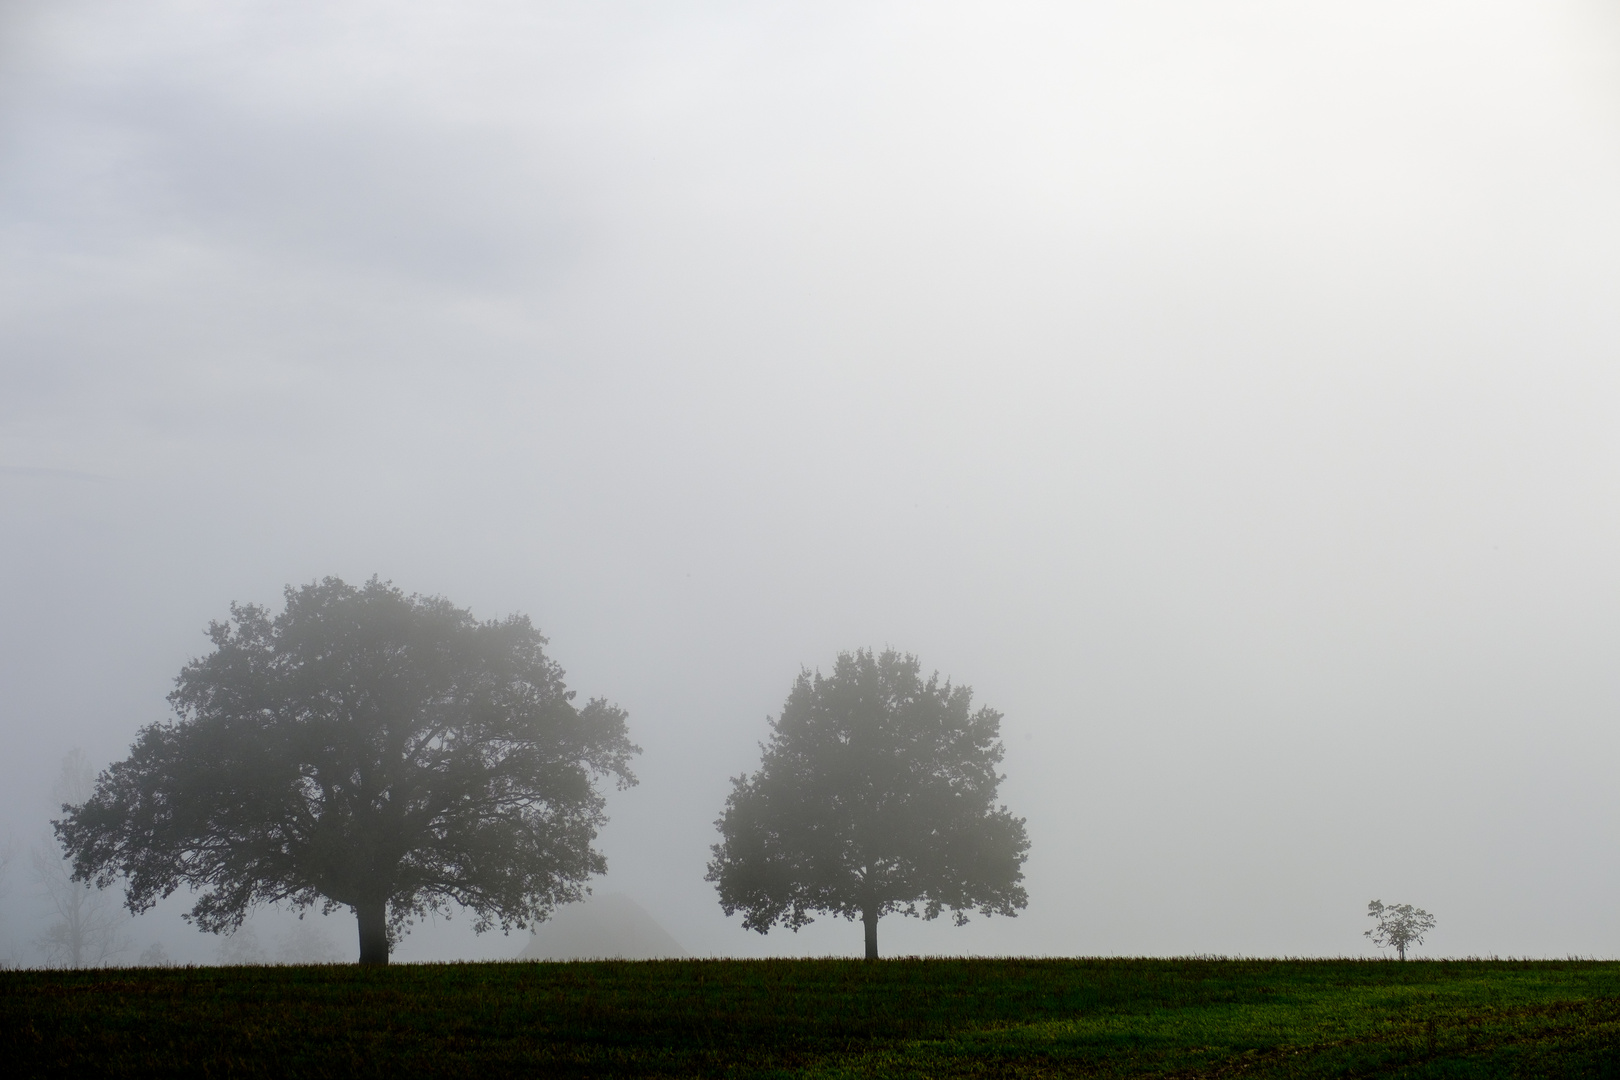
(876, 794)
(363, 749)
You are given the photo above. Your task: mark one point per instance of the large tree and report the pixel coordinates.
(876, 793)
(363, 749)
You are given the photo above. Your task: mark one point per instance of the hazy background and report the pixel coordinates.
(1226, 391)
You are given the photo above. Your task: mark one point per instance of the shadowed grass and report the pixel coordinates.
(825, 1018)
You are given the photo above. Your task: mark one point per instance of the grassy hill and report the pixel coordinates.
(834, 1018)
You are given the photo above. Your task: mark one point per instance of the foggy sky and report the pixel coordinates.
(1227, 392)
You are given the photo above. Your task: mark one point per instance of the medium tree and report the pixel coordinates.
(1397, 926)
(876, 793)
(362, 749)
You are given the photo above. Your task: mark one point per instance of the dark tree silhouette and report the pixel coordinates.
(363, 749)
(875, 794)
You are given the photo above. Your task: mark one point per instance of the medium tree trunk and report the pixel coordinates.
(1400, 948)
(869, 916)
(373, 916)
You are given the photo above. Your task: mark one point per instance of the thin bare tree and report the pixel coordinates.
(8, 855)
(89, 926)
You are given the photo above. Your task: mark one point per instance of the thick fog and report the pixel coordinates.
(1227, 392)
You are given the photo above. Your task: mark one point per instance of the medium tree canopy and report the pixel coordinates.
(876, 793)
(363, 749)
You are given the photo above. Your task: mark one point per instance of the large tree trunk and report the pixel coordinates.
(373, 916)
(869, 916)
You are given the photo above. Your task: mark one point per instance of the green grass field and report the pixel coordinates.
(825, 1018)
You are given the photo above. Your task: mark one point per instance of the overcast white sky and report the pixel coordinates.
(1226, 391)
